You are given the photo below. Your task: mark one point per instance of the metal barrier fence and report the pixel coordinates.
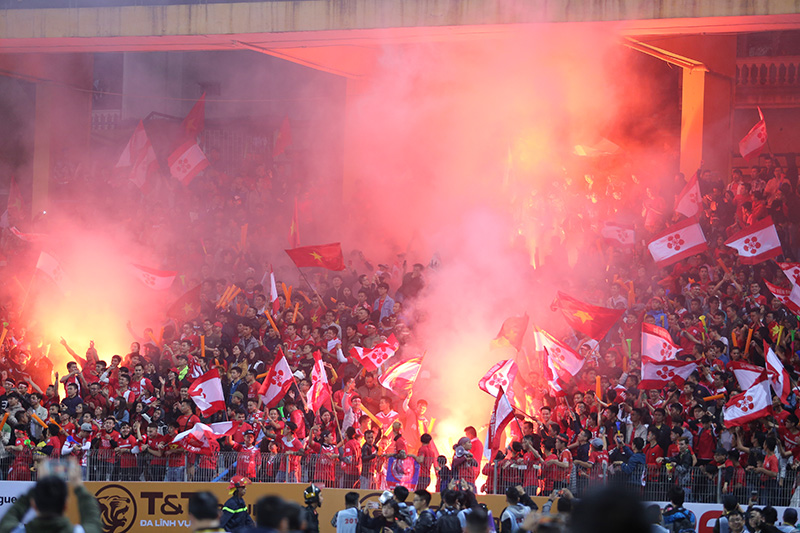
(702, 484)
(329, 470)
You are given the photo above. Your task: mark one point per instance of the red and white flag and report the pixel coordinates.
(655, 375)
(657, 344)
(206, 392)
(791, 271)
(400, 377)
(680, 241)
(502, 414)
(277, 383)
(155, 279)
(757, 242)
(564, 363)
(746, 374)
(273, 292)
(756, 139)
(379, 354)
(689, 202)
(186, 162)
(139, 157)
(50, 266)
(778, 376)
(752, 404)
(320, 392)
(788, 297)
(197, 439)
(618, 234)
(500, 376)
(34, 238)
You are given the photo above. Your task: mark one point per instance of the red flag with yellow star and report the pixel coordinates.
(321, 255)
(591, 320)
(195, 121)
(187, 307)
(512, 332)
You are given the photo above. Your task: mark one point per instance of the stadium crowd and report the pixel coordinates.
(119, 414)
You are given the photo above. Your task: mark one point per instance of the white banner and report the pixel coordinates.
(707, 513)
(10, 490)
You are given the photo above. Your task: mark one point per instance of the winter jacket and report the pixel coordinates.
(88, 510)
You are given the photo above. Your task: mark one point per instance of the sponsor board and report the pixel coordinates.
(10, 490)
(156, 507)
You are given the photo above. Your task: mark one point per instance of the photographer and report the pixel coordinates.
(48, 498)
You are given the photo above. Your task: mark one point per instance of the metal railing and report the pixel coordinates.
(702, 484)
(328, 470)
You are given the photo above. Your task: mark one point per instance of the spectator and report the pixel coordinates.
(49, 496)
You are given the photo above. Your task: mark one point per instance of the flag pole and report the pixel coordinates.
(309, 284)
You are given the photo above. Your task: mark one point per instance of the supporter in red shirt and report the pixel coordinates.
(248, 459)
(105, 443)
(293, 447)
(705, 442)
(128, 452)
(187, 419)
(768, 471)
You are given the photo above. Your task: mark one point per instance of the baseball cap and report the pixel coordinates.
(86, 426)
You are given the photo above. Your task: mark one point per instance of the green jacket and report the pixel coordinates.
(87, 507)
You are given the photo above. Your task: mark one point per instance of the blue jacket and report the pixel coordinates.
(635, 465)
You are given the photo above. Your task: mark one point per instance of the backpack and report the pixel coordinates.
(448, 522)
(684, 520)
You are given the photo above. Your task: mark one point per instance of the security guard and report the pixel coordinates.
(234, 513)
(313, 498)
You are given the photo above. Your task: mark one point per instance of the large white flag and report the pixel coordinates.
(754, 403)
(139, 157)
(186, 162)
(50, 266)
(678, 242)
(657, 343)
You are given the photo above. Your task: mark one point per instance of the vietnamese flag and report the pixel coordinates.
(195, 121)
(321, 255)
(591, 320)
(187, 307)
(512, 331)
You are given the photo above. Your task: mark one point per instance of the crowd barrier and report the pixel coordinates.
(652, 483)
(137, 507)
(702, 484)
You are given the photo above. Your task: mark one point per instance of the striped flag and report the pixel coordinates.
(155, 279)
(320, 392)
(400, 377)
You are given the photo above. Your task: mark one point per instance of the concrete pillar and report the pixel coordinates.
(692, 112)
(42, 147)
(707, 100)
(62, 117)
(350, 171)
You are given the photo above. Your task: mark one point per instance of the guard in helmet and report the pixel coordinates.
(313, 498)
(234, 513)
